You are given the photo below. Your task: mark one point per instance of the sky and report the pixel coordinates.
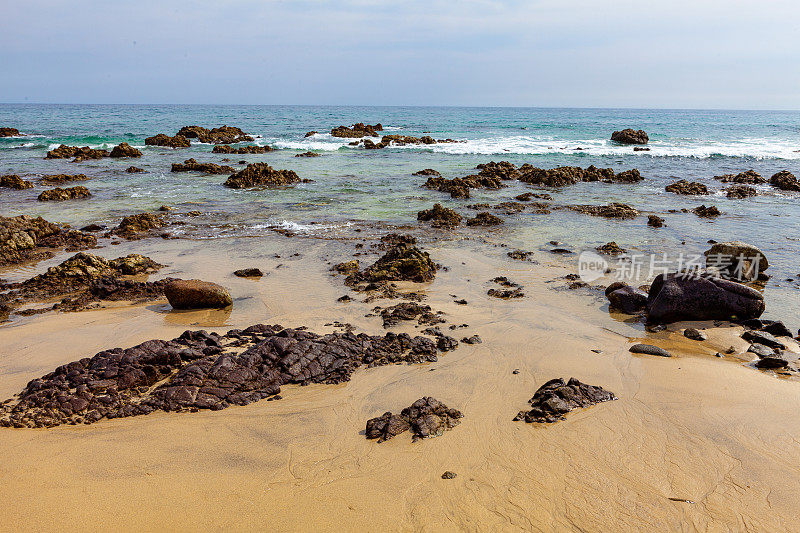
(549, 53)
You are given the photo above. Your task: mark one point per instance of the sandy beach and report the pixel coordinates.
(694, 442)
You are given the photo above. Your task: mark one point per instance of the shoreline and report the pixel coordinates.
(692, 426)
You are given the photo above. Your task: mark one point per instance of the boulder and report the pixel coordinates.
(221, 135)
(440, 216)
(706, 212)
(655, 221)
(625, 298)
(308, 154)
(178, 141)
(695, 334)
(134, 170)
(736, 260)
(612, 210)
(79, 153)
(261, 175)
(249, 273)
(58, 179)
(58, 194)
(197, 294)
(12, 181)
(484, 219)
(9, 132)
(357, 130)
(687, 188)
(553, 400)
(427, 417)
(241, 150)
(739, 192)
(679, 296)
(611, 248)
(191, 165)
(785, 181)
(132, 227)
(630, 136)
(749, 177)
(125, 150)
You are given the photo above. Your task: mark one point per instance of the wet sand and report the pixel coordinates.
(693, 427)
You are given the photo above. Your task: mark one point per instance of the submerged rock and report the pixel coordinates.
(611, 248)
(687, 188)
(556, 398)
(58, 194)
(740, 192)
(676, 297)
(655, 221)
(612, 210)
(440, 216)
(79, 153)
(178, 141)
(402, 262)
(198, 371)
(249, 273)
(308, 154)
(630, 136)
(125, 150)
(242, 150)
(190, 165)
(427, 417)
(261, 175)
(484, 219)
(563, 176)
(134, 170)
(197, 294)
(57, 179)
(12, 181)
(459, 187)
(427, 172)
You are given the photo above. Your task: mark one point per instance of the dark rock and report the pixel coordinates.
(611, 248)
(763, 338)
(57, 179)
(125, 150)
(261, 175)
(612, 210)
(197, 294)
(749, 177)
(134, 170)
(785, 181)
(133, 227)
(459, 187)
(178, 141)
(440, 216)
(9, 132)
(563, 176)
(630, 136)
(519, 255)
(528, 196)
(409, 311)
(740, 192)
(556, 398)
(777, 328)
(58, 194)
(510, 290)
(655, 221)
(736, 260)
(475, 339)
(402, 262)
(502, 170)
(357, 130)
(310, 133)
(706, 212)
(190, 165)
(308, 154)
(221, 135)
(678, 296)
(625, 298)
(484, 219)
(427, 417)
(695, 334)
(79, 153)
(684, 187)
(449, 475)
(23, 238)
(774, 360)
(348, 267)
(426, 172)
(760, 350)
(12, 181)
(241, 150)
(649, 349)
(249, 273)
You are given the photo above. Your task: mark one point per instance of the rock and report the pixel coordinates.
(440, 216)
(132, 227)
(763, 338)
(510, 290)
(406, 311)
(308, 154)
(630, 136)
(649, 349)
(24, 238)
(502, 170)
(625, 298)
(771, 361)
(402, 262)
(484, 219)
(684, 187)
(736, 260)
(785, 181)
(519, 255)
(249, 273)
(459, 187)
(563, 176)
(528, 196)
(178, 141)
(612, 210)
(640, 149)
(695, 334)
(655, 221)
(125, 150)
(426, 172)
(357, 130)
(242, 150)
(556, 398)
(58, 194)
(427, 417)
(676, 297)
(475, 339)
(134, 170)
(611, 248)
(12, 181)
(261, 175)
(310, 133)
(706, 212)
(221, 135)
(760, 350)
(777, 328)
(348, 267)
(449, 475)
(199, 371)
(739, 192)
(749, 177)
(196, 294)
(9, 132)
(190, 165)
(79, 153)
(57, 179)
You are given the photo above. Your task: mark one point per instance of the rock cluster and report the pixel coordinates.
(611, 248)
(357, 130)
(79, 153)
(199, 370)
(308, 154)
(739, 191)
(630, 136)
(749, 177)
(655, 221)
(687, 188)
(427, 172)
(427, 417)
(509, 290)
(191, 165)
(261, 175)
(9, 132)
(24, 238)
(134, 170)
(736, 260)
(70, 193)
(177, 141)
(12, 181)
(406, 311)
(459, 187)
(221, 135)
(563, 176)
(403, 261)
(133, 227)
(125, 150)
(439, 216)
(625, 298)
(241, 150)
(557, 397)
(703, 211)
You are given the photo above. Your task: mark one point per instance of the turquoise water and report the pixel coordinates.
(356, 188)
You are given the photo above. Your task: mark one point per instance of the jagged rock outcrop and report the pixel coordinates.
(785, 181)
(612, 210)
(161, 139)
(125, 150)
(23, 238)
(79, 153)
(687, 188)
(59, 195)
(459, 187)
(261, 175)
(357, 130)
(556, 398)
(136, 226)
(427, 417)
(403, 261)
(440, 216)
(739, 192)
(564, 176)
(241, 150)
(655, 221)
(57, 179)
(484, 219)
(9, 132)
(12, 181)
(625, 298)
(221, 135)
(749, 177)
(191, 165)
(630, 136)
(704, 211)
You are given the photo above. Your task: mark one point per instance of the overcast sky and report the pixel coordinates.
(670, 53)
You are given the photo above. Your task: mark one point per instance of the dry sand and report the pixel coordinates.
(693, 427)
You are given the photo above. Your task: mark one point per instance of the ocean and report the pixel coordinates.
(353, 188)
